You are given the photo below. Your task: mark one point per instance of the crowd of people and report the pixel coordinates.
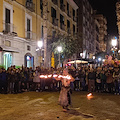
(100, 79)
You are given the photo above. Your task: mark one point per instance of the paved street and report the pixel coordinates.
(44, 106)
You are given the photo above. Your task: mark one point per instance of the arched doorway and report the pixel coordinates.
(7, 58)
(29, 60)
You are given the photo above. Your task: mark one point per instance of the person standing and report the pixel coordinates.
(116, 80)
(91, 80)
(4, 81)
(65, 95)
(0, 80)
(109, 81)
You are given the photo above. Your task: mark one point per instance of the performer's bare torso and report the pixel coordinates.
(66, 82)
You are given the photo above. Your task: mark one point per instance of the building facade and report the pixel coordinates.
(25, 22)
(97, 34)
(102, 31)
(61, 18)
(86, 28)
(93, 28)
(118, 19)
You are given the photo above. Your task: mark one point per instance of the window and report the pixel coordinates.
(53, 12)
(61, 1)
(62, 22)
(42, 34)
(67, 7)
(61, 19)
(53, 34)
(7, 17)
(73, 29)
(73, 13)
(28, 47)
(7, 20)
(29, 0)
(68, 24)
(28, 26)
(7, 43)
(41, 4)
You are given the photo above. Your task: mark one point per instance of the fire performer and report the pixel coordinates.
(65, 94)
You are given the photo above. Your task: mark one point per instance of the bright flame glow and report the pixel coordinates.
(89, 94)
(55, 76)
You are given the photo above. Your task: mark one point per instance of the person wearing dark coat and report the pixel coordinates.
(4, 81)
(91, 80)
(0, 80)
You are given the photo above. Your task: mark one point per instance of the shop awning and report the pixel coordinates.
(78, 62)
(9, 49)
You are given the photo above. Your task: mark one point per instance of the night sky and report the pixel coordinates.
(108, 9)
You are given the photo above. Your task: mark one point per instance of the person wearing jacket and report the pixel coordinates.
(91, 80)
(4, 81)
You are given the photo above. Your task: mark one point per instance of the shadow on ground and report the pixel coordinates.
(76, 113)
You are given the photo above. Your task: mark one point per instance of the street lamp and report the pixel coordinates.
(114, 44)
(93, 57)
(99, 59)
(40, 44)
(59, 48)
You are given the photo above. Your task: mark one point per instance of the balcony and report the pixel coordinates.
(62, 26)
(74, 19)
(9, 29)
(62, 7)
(55, 2)
(55, 21)
(30, 6)
(69, 13)
(30, 35)
(68, 31)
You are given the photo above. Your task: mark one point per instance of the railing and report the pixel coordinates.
(68, 31)
(62, 26)
(55, 21)
(30, 35)
(69, 13)
(55, 2)
(74, 19)
(9, 28)
(30, 6)
(62, 7)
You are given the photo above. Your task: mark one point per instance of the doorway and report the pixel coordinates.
(7, 60)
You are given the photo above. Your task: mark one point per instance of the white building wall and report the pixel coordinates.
(18, 57)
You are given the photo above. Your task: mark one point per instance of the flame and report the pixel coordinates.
(54, 76)
(89, 96)
(49, 76)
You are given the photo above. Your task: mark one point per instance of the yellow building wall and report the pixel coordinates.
(1, 15)
(59, 11)
(19, 11)
(19, 17)
(19, 20)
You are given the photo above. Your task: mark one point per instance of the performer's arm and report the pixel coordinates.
(57, 78)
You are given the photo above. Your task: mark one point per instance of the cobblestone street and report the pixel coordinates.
(44, 106)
